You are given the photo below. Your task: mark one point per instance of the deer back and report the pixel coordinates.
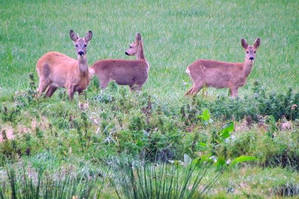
(124, 72)
(217, 74)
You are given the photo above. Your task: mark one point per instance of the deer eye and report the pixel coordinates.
(247, 52)
(254, 51)
(85, 45)
(76, 45)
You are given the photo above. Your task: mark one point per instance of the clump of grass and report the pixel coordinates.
(31, 183)
(148, 181)
(287, 190)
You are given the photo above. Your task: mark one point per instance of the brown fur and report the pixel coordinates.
(58, 70)
(218, 74)
(133, 73)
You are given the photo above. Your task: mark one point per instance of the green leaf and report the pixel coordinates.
(225, 132)
(220, 164)
(242, 158)
(205, 116)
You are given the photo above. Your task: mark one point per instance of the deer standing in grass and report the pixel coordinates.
(133, 73)
(58, 70)
(218, 74)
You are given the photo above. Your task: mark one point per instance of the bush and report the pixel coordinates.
(258, 103)
(279, 150)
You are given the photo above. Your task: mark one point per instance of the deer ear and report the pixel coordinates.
(88, 36)
(257, 43)
(244, 43)
(73, 35)
(138, 36)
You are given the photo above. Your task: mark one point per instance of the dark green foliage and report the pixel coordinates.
(259, 103)
(279, 149)
(287, 190)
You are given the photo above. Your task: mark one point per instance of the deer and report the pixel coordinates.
(133, 73)
(211, 73)
(56, 70)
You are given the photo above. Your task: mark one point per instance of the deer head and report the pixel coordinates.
(80, 43)
(134, 47)
(250, 50)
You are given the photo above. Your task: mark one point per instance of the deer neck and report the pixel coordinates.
(140, 53)
(247, 67)
(83, 65)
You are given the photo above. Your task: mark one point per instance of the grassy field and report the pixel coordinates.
(175, 34)
(91, 135)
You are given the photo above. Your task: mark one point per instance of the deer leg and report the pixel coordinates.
(50, 91)
(138, 87)
(233, 92)
(135, 87)
(80, 92)
(104, 83)
(196, 88)
(189, 91)
(42, 87)
(71, 92)
(131, 87)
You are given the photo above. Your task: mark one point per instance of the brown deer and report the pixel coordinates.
(58, 70)
(218, 74)
(133, 73)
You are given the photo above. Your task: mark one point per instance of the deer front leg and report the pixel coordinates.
(50, 91)
(103, 82)
(233, 92)
(71, 91)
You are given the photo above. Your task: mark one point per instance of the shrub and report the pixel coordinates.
(258, 103)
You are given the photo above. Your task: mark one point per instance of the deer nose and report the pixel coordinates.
(126, 53)
(251, 58)
(81, 53)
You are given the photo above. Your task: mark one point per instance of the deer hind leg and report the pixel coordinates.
(189, 91)
(43, 84)
(195, 88)
(51, 91)
(135, 87)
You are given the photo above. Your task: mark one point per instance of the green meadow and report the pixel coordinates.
(103, 144)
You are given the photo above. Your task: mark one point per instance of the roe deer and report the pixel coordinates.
(58, 70)
(133, 73)
(218, 74)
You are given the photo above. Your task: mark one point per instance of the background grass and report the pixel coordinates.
(175, 34)
(64, 136)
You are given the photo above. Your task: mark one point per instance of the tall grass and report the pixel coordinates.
(170, 181)
(29, 183)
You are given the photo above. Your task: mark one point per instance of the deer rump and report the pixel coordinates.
(124, 72)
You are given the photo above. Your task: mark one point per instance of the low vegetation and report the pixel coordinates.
(107, 130)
